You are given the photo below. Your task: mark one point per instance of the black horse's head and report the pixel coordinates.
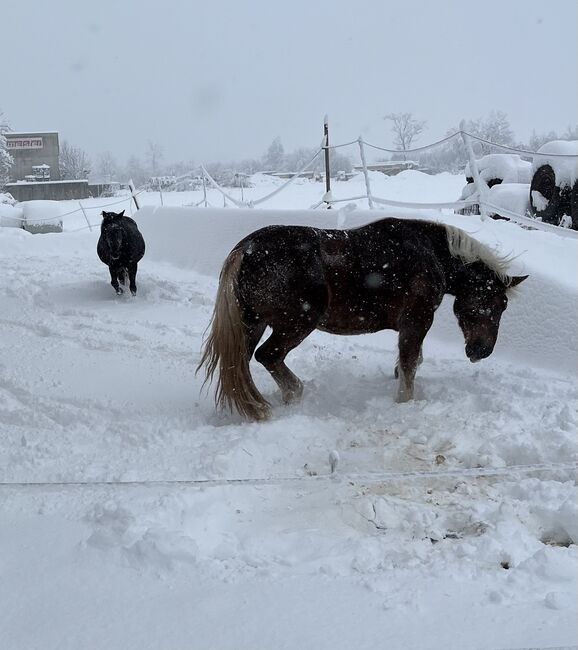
(112, 232)
(479, 306)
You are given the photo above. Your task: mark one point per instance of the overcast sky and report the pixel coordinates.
(219, 79)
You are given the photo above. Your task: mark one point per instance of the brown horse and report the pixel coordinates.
(389, 274)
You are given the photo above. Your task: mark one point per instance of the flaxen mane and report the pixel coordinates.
(470, 250)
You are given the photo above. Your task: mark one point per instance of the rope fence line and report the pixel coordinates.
(416, 149)
(479, 198)
(80, 209)
(525, 152)
(366, 478)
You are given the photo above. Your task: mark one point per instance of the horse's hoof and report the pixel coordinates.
(133, 292)
(119, 291)
(293, 394)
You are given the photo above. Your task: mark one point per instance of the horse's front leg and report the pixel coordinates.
(132, 267)
(114, 279)
(414, 326)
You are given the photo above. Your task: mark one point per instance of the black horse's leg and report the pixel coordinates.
(414, 325)
(132, 267)
(122, 276)
(114, 279)
(273, 352)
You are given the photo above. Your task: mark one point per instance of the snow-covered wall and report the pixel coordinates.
(539, 325)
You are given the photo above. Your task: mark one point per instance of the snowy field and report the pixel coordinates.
(451, 521)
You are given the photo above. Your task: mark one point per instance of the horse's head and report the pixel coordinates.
(112, 232)
(479, 306)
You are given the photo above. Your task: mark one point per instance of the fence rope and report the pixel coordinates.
(254, 202)
(534, 223)
(367, 477)
(416, 149)
(522, 151)
(67, 214)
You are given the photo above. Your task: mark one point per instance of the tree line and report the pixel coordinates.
(406, 129)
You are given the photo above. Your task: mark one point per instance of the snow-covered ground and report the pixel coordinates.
(406, 546)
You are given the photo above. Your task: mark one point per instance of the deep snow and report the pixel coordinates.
(94, 387)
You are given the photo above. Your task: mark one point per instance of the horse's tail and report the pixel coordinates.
(225, 348)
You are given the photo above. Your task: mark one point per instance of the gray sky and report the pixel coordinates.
(219, 79)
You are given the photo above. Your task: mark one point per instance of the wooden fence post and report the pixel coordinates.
(132, 189)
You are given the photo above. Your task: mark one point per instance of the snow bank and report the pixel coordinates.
(538, 328)
(11, 216)
(201, 238)
(565, 169)
(510, 196)
(509, 167)
(42, 213)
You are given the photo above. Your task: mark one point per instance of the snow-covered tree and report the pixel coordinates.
(405, 129)
(135, 170)
(6, 159)
(107, 167)
(274, 159)
(74, 162)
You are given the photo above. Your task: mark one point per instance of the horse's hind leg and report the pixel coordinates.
(272, 355)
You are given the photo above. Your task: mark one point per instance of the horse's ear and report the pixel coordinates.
(516, 280)
(121, 214)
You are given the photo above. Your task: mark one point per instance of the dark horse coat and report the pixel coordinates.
(121, 247)
(389, 274)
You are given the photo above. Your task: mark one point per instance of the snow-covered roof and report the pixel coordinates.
(565, 169)
(509, 167)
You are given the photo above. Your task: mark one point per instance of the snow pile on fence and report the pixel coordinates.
(509, 168)
(565, 169)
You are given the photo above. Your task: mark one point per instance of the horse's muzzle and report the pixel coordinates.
(478, 350)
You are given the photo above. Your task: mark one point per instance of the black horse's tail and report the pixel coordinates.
(225, 348)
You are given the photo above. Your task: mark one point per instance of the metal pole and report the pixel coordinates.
(327, 168)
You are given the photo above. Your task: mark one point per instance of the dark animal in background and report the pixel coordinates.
(121, 247)
(389, 274)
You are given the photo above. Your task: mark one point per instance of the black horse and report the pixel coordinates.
(120, 247)
(389, 274)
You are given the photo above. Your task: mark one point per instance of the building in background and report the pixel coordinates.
(35, 156)
(35, 173)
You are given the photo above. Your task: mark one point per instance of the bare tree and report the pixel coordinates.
(154, 155)
(405, 129)
(107, 167)
(74, 162)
